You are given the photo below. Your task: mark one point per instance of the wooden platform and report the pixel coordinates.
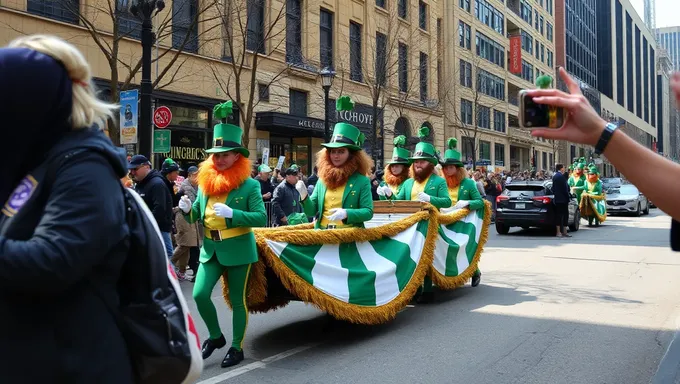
(397, 207)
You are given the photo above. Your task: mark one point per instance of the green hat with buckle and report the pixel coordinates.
(226, 137)
(400, 154)
(592, 169)
(424, 150)
(345, 135)
(452, 156)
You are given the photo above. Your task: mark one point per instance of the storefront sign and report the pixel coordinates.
(128, 116)
(304, 123)
(187, 153)
(161, 141)
(515, 54)
(499, 163)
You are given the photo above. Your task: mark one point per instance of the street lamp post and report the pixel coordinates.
(327, 76)
(144, 10)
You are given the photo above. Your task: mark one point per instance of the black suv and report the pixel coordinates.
(530, 204)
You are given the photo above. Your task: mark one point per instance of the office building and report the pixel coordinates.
(669, 39)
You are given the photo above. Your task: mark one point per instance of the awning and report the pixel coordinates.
(290, 125)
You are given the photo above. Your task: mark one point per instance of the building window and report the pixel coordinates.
(629, 61)
(465, 73)
(128, 25)
(490, 16)
(297, 102)
(326, 38)
(255, 37)
(294, 32)
(64, 10)
(525, 11)
(619, 55)
(463, 35)
(263, 92)
(538, 51)
(545, 160)
(499, 154)
(652, 91)
(498, 121)
(638, 73)
(645, 76)
(551, 164)
(490, 84)
(403, 67)
(465, 111)
(483, 117)
(549, 5)
(527, 71)
(185, 25)
(540, 24)
(402, 8)
(381, 3)
(542, 53)
(572, 152)
(527, 42)
(465, 4)
(550, 59)
(484, 150)
(490, 50)
(356, 72)
(381, 58)
(422, 15)
(423, 76)
(536, 19)
(549, 32)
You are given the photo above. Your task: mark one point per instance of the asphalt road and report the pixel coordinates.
(600, 307)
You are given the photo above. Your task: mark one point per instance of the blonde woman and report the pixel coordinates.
(64, 236)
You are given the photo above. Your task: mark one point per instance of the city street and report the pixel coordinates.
(600, 307)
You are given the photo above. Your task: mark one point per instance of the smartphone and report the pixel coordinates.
(533, 116)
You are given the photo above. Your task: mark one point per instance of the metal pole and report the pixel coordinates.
(326, 127)
(145, 124)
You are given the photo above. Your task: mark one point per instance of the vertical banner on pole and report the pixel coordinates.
(515, 54)
(128, 116)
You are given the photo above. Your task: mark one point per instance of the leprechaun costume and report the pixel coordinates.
(229, 204)
(342, 197)
(462, 190)
(577, 181)
(593, 206)
(389, 189)
(433, 186)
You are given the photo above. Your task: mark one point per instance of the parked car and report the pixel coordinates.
(627, 198)
(530, 204)
(610, 182)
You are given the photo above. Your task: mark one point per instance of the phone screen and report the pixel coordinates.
(540, 115)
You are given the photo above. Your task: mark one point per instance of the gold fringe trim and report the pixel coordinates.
(589, 209)
(453, 282)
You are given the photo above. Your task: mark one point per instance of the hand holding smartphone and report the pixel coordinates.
(535, 116)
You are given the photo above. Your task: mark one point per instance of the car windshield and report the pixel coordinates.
(625, 189)
(527, 191)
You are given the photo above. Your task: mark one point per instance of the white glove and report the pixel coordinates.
(223, 210)
(387, 190)
(380, 191)
(461, 204)
(424, 197)
(337, 214)
(184, 204)
(300, 186)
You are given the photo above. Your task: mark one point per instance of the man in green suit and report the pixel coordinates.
(396, 171)
(229, 204)
(342, 196)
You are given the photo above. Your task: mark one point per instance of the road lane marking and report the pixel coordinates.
(257, 364)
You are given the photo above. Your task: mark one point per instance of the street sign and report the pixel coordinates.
(128, 116)
(162, 117)
(161, 141)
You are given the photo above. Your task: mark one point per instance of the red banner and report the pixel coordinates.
(515, 55)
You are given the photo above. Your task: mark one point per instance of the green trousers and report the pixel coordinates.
(427, 283)
(208, 275)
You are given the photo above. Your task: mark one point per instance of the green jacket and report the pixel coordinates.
(246, 201)
(468, 191)
(597, 188)
(393, 196)
(357, 200)
(578, 186)
(436, 187)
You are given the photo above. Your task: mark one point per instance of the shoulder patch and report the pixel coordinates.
(20, 196)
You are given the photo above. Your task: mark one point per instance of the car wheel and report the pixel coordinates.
(577, 222)
(502, 229)
(638, 212)
(646, 211)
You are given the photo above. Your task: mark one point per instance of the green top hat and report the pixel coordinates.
(226, 137)
(400, 154)
(592, 169)
(345, 135)
(544, 82)
(452, 156)
(424, 150)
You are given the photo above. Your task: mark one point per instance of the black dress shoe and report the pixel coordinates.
(210, 345)
(232, 358)
(426, 298)
(476, 279)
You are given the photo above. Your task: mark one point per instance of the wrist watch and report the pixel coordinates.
(605, 137)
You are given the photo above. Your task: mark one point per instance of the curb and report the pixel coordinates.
(668, 371)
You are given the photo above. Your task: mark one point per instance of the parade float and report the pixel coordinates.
(593, 198)
(367, 275)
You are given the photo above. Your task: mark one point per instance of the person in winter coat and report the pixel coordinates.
(170, 172)
(286, 199)
(151, 186)
(63, 232)
(188, 237)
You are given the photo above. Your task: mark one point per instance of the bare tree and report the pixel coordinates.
(248, 35)
(467, 84)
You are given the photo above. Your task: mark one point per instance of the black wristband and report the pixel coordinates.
(605, 137)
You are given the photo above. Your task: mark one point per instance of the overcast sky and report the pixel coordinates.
(667, 12)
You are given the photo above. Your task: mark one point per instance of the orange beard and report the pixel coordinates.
(335, 177)
(593, 178)
(424, 175)
(455, 180)
(395, 180)
(213, 182)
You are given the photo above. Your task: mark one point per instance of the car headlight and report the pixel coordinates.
(631, 200)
